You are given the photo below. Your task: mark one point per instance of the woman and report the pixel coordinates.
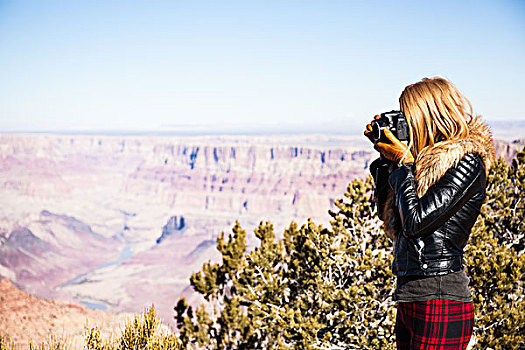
(429, 194)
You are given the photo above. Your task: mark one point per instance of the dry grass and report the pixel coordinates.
(143, 332)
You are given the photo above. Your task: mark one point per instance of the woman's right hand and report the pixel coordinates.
(394, 150)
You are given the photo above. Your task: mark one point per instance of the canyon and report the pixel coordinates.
(117, 223)
(120, 222)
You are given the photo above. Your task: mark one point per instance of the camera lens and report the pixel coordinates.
(376, 131)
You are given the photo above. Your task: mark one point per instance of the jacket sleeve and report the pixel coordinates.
(422, 216)
(381, 169)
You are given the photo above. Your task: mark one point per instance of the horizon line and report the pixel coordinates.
(217, 130)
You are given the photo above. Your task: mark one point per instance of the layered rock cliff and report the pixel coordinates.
(120, 222)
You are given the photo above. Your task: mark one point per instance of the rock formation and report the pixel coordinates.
(24, 317)
(118, 222)
(174, 226)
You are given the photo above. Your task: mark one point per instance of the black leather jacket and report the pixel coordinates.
(434, 229)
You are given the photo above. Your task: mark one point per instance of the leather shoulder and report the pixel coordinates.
(468, 169)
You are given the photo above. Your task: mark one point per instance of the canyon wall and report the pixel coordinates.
(119, 222)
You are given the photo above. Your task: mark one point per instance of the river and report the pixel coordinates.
(125, 254)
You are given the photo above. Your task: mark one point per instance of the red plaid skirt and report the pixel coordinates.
(434, 324)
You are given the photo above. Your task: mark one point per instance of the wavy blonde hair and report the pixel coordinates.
(436, 112)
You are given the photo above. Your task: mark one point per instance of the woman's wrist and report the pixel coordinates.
(409, 158)
(407, 164)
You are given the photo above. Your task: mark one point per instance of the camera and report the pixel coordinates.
(395, 121)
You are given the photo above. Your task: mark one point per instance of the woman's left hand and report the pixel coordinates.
(394, 150)
(368, 132)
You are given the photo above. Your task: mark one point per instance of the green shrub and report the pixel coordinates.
(141, 333)
(3, 343)
(331, 287)
(495, 259)
(52, 343)
(314, 288)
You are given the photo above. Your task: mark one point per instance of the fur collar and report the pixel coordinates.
(433, 162)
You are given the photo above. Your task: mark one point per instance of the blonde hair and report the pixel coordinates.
(436, 112)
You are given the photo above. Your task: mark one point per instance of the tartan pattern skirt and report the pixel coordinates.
(434, 324)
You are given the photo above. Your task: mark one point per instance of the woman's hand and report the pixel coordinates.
(394, 150)
(368, 131)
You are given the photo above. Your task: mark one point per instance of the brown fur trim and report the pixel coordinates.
(433, 162)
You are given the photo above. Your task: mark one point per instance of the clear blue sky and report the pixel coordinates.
(325, 64)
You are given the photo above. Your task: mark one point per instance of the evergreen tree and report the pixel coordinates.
(314, 288)
(495, 259)
(330, 288)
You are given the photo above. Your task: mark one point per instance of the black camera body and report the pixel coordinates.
(395, 121)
